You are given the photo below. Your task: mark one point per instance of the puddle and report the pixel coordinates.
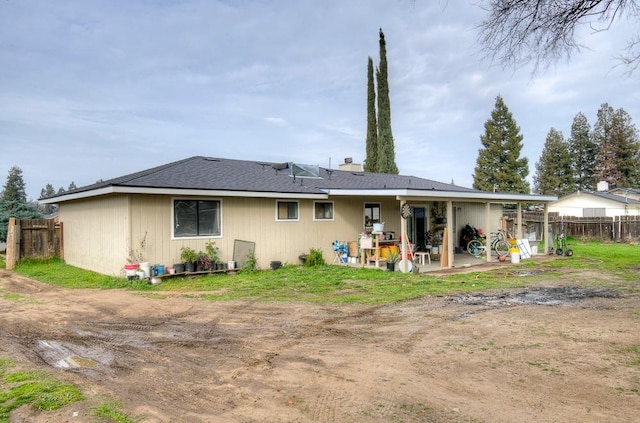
(67, 356)
(537, 296)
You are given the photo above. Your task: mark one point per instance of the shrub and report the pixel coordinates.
(315, 258)
(251, 264)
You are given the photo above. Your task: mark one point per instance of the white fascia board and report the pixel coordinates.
(408, 194)
(179, 192)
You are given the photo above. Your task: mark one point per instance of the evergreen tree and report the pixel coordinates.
(46, 192)
(499, 165)
(14, 189)
(386, 148)
(583, 151)
(72, 186)
(617, 161)
(371, 162)
(553, 171)
(61, 190)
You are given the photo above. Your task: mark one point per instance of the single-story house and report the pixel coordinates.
(284, 208)
(596, 204)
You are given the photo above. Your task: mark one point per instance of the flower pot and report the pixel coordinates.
(275, 265)
(189, 267)
(391, 267)
(130, 271)
(179, 267)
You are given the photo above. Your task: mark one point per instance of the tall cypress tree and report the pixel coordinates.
(583, 151)
(499, 165)
(386, 148)
(371, 162)
(553, 171)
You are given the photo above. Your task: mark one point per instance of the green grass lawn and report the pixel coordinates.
(342, 284)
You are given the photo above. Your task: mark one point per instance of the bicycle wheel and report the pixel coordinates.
(474, 247)
(501, 248)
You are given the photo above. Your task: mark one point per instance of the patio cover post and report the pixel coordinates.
(451, 238)
(545, 225)
(404, 244)
(519, 232)
(487, 232)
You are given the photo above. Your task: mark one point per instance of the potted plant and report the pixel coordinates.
(204, 263)
(392, 258)
(211, 251)
(188, 256)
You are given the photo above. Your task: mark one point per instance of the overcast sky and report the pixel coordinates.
(97, 89)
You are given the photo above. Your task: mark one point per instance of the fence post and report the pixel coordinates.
(13, 243)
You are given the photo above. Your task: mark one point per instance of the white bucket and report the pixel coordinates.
(231, 265)
(515, 257)
(534, 250)
(378, 227)
(146, 269)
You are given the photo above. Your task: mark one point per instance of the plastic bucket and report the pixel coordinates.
(159, 269)
(515, 258)
(231, 265)
(378, 227)
(146, 269)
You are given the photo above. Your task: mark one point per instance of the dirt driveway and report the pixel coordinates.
(549, 353)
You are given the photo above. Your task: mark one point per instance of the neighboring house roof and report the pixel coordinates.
(603, 195)
(216, 176)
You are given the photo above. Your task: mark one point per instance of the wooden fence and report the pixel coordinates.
(616, 229)
(33, 238)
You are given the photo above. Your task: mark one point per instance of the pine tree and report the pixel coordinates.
(583, 151)
(72, 186)
(499, 165)
(617, 160)
(386, 149)
(14, 189)
(371, 162)
(46, 192)
(553, 171)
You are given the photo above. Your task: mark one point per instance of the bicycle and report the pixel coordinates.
(477, 247)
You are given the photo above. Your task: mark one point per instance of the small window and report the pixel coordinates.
(286, 210)
(196, 218)
(371, 214)
(322, 210)
(594, 212)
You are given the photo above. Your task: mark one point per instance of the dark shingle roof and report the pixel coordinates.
(207, 173)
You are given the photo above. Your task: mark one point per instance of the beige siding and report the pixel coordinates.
(96, 233)
(473, 214)
(254, 219)
(100, 232)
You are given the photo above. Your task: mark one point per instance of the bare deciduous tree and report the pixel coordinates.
(541, 32)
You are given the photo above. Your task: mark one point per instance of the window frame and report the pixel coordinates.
(364, 214)
(324, 219)
(296, 202)
(173, 216)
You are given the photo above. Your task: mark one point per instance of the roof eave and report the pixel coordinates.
(411, 194)
(177, 191)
